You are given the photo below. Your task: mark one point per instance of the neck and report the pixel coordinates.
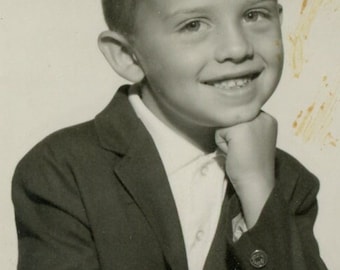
(201, 136)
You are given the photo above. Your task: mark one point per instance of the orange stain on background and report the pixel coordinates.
(313, 123)
(309, 11)
(303, 6)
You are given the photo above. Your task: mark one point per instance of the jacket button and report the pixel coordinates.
(258, 259)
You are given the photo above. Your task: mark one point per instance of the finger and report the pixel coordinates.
(221, 140)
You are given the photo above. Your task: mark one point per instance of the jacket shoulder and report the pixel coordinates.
(64, 154)
(296, 182)
(65, 142)
(287, 164)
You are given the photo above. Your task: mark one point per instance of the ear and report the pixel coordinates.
(118, 53)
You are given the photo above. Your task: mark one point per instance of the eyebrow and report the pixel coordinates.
(200, 9)
(185, 11)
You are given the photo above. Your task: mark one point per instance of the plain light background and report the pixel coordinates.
(52, 75)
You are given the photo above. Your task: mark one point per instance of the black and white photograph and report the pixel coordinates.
(170, 134)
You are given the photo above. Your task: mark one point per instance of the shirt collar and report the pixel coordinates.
(174, 150)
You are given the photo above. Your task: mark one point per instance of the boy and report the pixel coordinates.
(180, 171)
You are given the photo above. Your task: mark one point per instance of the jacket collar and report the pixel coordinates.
(142, 173)
(117, 123)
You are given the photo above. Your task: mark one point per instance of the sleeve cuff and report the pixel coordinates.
(239, 227)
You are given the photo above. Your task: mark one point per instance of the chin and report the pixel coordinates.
(240, 116)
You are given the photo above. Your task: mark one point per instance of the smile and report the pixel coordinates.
(236, 83)
(232, 83)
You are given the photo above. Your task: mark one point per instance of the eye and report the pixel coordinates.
(255, 15)
(195, 25)
(192, 26)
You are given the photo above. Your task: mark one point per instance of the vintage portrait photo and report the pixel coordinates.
(170, 134)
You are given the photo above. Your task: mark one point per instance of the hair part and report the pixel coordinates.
(120, 15)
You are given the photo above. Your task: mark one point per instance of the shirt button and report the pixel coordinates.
(199, 235)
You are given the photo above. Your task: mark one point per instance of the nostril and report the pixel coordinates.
(235, 48)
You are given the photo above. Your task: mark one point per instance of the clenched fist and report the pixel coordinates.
(250, 161)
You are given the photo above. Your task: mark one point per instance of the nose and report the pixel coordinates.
(233, 44)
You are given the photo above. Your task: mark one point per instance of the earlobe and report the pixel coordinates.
(115, 47)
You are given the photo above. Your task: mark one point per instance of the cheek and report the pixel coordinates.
(278, 52)
(172, 62)
(268, 44)
(152, 56)
(271, 52)
(174, 71)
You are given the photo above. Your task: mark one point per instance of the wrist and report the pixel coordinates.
(250, 182)
(253, 194)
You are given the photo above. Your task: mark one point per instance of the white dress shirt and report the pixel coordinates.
(197, 181)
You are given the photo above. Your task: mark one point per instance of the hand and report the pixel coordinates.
(250, 150)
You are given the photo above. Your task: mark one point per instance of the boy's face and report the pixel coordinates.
(212, 63)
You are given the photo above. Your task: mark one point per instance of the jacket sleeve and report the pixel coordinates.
(283, 236)
(52, 227)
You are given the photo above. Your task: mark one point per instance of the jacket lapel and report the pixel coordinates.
(219, 255)
(142, 173)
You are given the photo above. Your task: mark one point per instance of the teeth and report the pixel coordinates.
(236, 83)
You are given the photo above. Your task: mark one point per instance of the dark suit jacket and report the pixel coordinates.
(96, 196)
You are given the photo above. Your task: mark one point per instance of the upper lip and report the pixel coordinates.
(233, 76)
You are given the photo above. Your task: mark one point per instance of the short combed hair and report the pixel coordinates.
(120, 15)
